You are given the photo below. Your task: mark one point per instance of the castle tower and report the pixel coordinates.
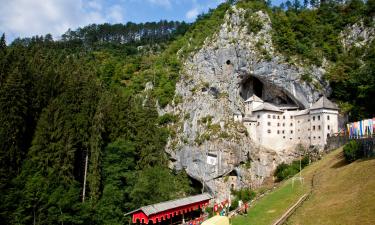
(252, 103)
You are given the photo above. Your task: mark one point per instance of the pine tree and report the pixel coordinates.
(3, 44)
(13, 111)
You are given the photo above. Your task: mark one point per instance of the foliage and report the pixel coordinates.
(314, 34)
(62, 102)
(352, 151)
(84, 97)
(245, 195)
(284, 171)
(167, 118)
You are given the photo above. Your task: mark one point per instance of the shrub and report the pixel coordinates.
(306, 77)
(167, 118)
(352, 151)
(245, 194)
(284, 170)
(234, 204)
(209, 210)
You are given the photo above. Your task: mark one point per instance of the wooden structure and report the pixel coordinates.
(189, 208)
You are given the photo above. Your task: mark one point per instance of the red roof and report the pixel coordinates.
(165, 210)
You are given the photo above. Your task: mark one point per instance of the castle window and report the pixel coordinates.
(258, 116)
(291, 117)
(298, 129)
(291, 124)
(314, 137)
(313, 118)
(308, 129)
(269, 131)
(327, 117)
(269, 116)
(258, 124)
(228, 62)
(319, 127)
(308, 120)
(319, 137)
(309, 137)
(274, 117)
(291, 132)
(283, 117)
(313, 127)
(284, 137)
(278, 117)
(283, 131)
(278, 132)
(278, 124)
(283, 124)
(269, 123)
(298, 121)
(318, 117)
(299, 138)
(328, 127)
(291, 138)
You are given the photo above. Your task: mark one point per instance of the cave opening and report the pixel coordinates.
(228, 62)
(196, 185)
(267, 91)
(250, 86)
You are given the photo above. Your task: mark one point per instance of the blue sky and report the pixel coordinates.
(25, 18)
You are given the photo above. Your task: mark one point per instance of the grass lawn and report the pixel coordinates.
(342, 194)
(273, 205)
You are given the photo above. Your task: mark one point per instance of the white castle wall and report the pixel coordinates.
(285, 130)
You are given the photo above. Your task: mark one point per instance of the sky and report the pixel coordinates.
(26, 18)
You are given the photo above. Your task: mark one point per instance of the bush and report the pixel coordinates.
(284, 170)
(352, 151)
(167, 118)
(209, 210)
(234, 204)
(245, 194)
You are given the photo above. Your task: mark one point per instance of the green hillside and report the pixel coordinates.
(341, 194)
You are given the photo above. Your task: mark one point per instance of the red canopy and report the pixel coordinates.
(165, 210)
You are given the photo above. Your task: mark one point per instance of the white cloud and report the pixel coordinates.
(192, 13)
(95, 5)
(115, 14)
(164, 3)
(26, 18)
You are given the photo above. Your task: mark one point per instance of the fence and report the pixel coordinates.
(335, 142)
(367, 146)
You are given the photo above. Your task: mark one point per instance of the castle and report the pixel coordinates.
(282, 127)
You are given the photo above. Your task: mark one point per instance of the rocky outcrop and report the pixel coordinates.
(357, 35)
(215, 82)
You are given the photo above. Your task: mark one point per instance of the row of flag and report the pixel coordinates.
(361, 128)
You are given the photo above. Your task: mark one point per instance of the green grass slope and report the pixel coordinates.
(341, 194)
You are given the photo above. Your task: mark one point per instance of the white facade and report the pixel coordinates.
(284, 127)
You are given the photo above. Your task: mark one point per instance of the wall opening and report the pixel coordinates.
(228, 62)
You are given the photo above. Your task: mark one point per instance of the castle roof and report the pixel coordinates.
(324, 103)
(302, 112)
(254, 98)
(267, 107)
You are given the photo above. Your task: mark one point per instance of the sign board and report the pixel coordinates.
(211, 159)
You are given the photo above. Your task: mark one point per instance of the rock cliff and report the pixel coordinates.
(233, 64)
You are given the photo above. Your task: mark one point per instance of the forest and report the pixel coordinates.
(84, 96)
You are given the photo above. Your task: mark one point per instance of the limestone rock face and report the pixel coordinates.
(214, 83)
(357, 35)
